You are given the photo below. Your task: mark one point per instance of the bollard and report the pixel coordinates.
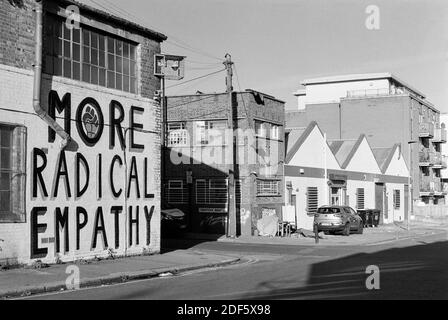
(316, 233)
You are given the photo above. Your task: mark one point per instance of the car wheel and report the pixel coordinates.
(360, 228)
(346, 230)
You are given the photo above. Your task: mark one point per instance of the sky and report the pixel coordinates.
(275, 44)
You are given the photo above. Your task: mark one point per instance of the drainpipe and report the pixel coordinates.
(42, 113)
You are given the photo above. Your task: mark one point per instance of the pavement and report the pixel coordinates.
(370, 236)
(21, 282)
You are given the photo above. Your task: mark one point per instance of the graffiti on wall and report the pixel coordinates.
(72, 177)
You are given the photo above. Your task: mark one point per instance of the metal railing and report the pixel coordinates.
(426, 158)
(426, 185)
(426, 129)
(439, 135)
(439, 160)
(376, 92)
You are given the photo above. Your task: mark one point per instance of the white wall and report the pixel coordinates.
(332, 92)
(16, 93)
(300, 185)
(397, 166)
(311, 152)
(394, 214)
(363, 160)
(369, 193)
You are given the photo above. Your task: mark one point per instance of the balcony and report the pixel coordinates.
(439, 135)
(376, 92)
(425, 159)
(439, 161)
(438, 188)
(426, 186)
(426, 130)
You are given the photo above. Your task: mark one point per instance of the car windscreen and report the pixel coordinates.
(328, 210)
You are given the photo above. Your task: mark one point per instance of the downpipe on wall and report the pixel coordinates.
(37, 84)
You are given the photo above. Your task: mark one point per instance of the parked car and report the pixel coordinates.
(173, 222)
(338, 219)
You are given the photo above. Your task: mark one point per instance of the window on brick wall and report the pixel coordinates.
(268, 188)
(212, 191)
(210, 132)
(177, 192)
(177, 134)
(360, 198)
(87, 55)
(312, 200)
(397, 200)
(12, 173)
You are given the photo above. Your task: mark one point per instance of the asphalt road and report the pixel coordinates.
(408, 269)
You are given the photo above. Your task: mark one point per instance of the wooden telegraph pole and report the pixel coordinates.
(231, 221)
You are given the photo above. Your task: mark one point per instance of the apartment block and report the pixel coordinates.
(387, 110)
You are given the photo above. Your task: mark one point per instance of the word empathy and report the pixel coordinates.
(62, 224)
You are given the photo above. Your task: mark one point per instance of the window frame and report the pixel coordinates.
(312, 205)
(397, 199)
(182, 189)
(180, 134)
(201, 133)
(272, 192)
(360, 196)
(58, 36)
(16, 213)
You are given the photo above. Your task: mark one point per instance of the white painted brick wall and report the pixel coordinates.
(16, 93)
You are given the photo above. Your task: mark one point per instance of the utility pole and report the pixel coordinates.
(231, 221)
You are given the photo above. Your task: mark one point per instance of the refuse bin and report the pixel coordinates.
(375, 217)
(364, 214)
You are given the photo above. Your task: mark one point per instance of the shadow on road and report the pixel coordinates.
(415, 272)
(173, 244)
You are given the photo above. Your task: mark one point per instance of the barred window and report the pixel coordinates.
(201, 191)
(177, 134)
(312, 200)
(267, 188)
(397, 199)
(360, 198)
(89, 56)
(177, 192)
(12, 173)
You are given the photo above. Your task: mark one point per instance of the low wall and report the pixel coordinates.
(431, 211)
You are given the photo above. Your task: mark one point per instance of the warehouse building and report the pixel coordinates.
(80, 141)
(199, 158)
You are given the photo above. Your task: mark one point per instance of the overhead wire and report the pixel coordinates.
(200, 77)
(176, 41)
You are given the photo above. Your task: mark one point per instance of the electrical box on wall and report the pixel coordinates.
(170, 67)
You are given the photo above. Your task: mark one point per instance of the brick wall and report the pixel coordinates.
(17, 25)
(249, 107)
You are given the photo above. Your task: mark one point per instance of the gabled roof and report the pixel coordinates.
(293, 136)
(384, 156)
(300, 140)
(344, 150)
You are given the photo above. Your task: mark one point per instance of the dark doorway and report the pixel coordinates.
(379, 200)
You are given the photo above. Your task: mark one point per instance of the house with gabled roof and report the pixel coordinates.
(343, 172)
